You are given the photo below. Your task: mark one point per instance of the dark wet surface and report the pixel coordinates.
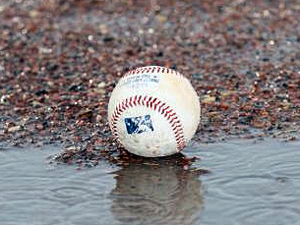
(59, 62)
(248, 183)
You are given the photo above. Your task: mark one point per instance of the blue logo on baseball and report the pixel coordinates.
(139, 124)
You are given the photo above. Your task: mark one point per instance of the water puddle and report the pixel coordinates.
(249, 183)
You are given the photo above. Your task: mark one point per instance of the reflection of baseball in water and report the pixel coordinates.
(161, 194)
(153, 111)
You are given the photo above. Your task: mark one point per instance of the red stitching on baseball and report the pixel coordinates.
(152, 102)
(134, 101)
(169, 111)
(130, 101)
(163, 111)
(162, 105)
(170, 115)
(151, 69)
(174, 118)
(155, 106)
(148, 102)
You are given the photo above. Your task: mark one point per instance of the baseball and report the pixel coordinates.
(153, 111)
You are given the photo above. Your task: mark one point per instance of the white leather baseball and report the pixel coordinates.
(153, 111)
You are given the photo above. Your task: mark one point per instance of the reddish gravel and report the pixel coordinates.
(60, 60)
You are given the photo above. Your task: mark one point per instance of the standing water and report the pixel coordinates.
(248, 183)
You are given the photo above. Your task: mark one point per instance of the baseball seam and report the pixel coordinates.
(155, 104)
(151, 69)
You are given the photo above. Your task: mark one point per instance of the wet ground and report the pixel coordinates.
(248, 183)
(59, 62)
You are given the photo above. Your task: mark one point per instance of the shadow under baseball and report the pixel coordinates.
(157, 193)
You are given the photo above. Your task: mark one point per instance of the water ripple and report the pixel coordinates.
(252, 186)
(32, 192)
(265, 213)
(252, 183)
(249, 183)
